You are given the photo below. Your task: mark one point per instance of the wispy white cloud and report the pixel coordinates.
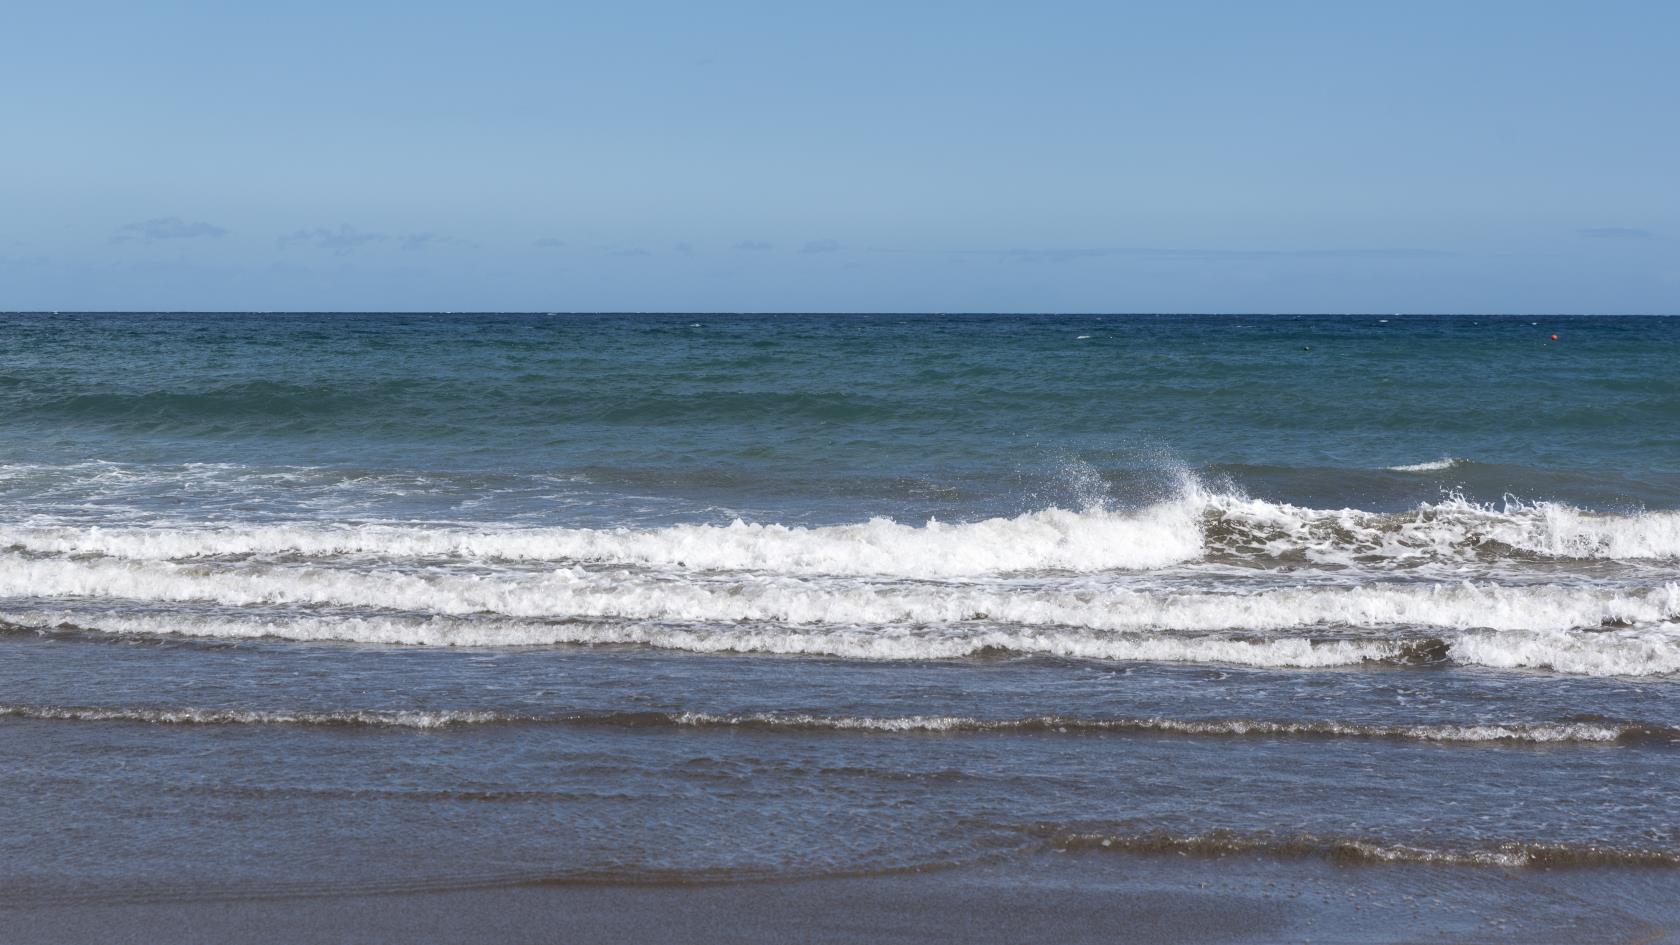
(341, 240)
(415, 241)
(165, 228)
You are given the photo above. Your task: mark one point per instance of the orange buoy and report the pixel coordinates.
(1554, 337)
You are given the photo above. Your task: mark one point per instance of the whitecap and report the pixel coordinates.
(1434, 465)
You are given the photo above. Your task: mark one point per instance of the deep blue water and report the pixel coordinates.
(823, 417)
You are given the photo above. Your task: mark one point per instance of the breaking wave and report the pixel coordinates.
(1451, 530)
(1173, 581)
(1607, 653)
(1035, 606)
(1195, 525)
(1052, 539)
(1434, 465)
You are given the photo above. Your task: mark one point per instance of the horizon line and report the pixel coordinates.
(839, 312)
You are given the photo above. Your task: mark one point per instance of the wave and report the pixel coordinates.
(1607, 653)
(1466, 733)
(197, 716)
(1434, 465)
(1360, 850)
(1471, 733)
(903, 643)
(1196, 525)
(1042, 607)
(1451, 530)
(1052, 539)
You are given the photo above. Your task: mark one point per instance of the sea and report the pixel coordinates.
(1383, 608)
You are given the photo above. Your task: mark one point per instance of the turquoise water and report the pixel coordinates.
(441, 599)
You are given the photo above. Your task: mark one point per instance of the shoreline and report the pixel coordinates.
(1068, 898)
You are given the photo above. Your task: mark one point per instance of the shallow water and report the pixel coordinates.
(408, 602)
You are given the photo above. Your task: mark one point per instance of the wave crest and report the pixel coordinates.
(1466, 733)
(1434, 465)
(1612, 653)
(882, 609)
(1197, 525)
(1451, 530)
(1050, 539)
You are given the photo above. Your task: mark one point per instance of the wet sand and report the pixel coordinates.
(1063, 899)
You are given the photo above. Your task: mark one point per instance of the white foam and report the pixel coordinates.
(1454, 529)
(198, 716)
(572, 592)
(1642, 652)
(1508, 855)
(1495, 732)
(1565, 532)
(1433, 465)
(1052, 539)
(1525, 732)
(851, 642)
(1184, 529)
(1548, 626)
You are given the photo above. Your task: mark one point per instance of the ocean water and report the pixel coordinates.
(298, 602)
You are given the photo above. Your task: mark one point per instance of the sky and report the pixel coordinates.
(860, 156)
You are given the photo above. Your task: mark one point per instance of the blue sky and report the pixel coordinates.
(1257, 157)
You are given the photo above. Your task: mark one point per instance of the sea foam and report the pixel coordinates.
(785, 599)
(1195, 524)
(1361, 850)
(1434, 465)
(1051, 539)
(1555, 628)
(1465, 733)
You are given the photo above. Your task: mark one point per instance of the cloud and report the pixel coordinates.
(341, 240)
(165, 228)
(631, 252)
(548, 242)
(821, 246)
(1137, 252)
(752, 246)
(1616, 233)
(687, 249)
(414, 241)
